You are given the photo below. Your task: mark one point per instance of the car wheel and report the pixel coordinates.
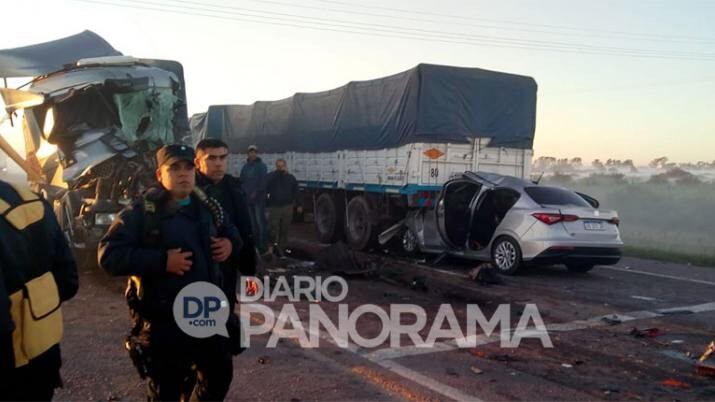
(579, 267)
(506, 255)
(409, 242)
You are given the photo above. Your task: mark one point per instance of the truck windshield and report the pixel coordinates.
(555, 196)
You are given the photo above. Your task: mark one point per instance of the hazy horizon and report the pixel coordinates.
(622, 80)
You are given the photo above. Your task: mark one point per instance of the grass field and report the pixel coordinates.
(673, 222)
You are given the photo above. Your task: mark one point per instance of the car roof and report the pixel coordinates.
(498, 180)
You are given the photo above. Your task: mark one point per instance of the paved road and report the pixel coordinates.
(591, 359)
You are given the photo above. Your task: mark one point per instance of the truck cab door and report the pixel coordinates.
(453, 211)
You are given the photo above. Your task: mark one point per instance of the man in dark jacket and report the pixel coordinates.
(47, 278)
(185, 247)
(281, 195)
(253, 176)
(211, 161)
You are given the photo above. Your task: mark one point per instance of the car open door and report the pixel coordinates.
(454, 209)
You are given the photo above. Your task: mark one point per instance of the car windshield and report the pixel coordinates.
(555, 196)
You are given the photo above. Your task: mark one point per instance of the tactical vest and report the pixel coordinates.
(151, 237)
(35, 308)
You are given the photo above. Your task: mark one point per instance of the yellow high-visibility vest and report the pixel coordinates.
(34, 309)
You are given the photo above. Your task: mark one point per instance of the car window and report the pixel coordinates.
(555, 196)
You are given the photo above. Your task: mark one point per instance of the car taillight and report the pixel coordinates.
(614, 221)
(550, 219)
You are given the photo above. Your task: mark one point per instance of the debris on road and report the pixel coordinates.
(337, 256)
(478, 353)
(612, 320)
(646, 332)
(451, 372)
(301, 265)
(646, 298)
(263, 360)
(419, 283)
(677, 384)
(485, 274)
(703, 366)
(476, 370)
(503, 358)
(609, 391)
(566, 365)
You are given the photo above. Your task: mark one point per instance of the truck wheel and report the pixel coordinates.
(360, 231)
(328, 217)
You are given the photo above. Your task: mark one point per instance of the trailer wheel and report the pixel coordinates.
(360, 231)
(328, 218)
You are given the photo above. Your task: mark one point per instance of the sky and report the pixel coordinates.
(621, 79)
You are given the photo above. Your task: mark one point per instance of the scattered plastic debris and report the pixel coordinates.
(646, 332)
(477, 353)
(612, 320)
(566, 365)
(673, 383)
(476, 370)
(703, 366)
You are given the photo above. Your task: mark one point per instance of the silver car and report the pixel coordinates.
(510, 221)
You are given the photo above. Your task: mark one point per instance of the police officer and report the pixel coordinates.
(32, 287)
(168, 239)
(211, 161)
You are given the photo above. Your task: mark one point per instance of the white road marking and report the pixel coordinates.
(646, 298)
(676, 278)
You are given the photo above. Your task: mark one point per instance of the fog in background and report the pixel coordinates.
(666, 209)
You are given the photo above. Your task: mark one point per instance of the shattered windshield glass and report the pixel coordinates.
(146, 115)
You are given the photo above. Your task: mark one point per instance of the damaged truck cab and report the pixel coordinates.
(104, 118)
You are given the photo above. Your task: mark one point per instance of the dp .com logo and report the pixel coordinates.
(201, 310)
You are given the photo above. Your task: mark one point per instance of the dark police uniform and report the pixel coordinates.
(124, 251)
(229, 193)
(37, 273)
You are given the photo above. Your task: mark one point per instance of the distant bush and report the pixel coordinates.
(676, 176)
(603, 179)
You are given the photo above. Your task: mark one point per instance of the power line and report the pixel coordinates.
(605, 34)
(402, 33)
(417, 12)
(408, 30)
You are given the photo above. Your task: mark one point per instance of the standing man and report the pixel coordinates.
(211, 161)
(253, 176)
(29, 343)
(281, 193)
(166, 241)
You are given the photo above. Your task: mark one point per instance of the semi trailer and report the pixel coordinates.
(371, 154)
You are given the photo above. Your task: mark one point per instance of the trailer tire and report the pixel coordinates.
(360, 229)
(328, 218)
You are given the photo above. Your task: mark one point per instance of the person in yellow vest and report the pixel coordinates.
(37, 274)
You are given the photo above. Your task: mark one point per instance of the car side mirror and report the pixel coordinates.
(590, 200)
